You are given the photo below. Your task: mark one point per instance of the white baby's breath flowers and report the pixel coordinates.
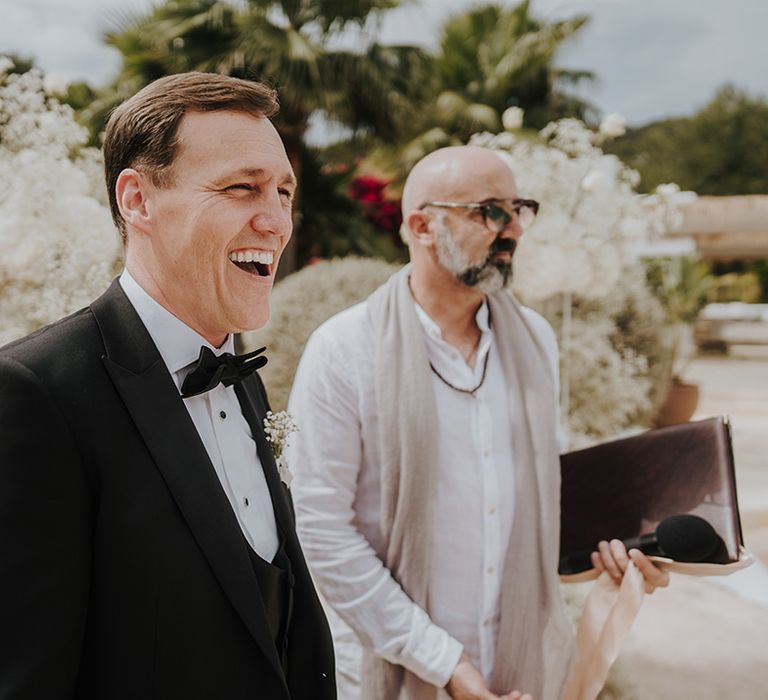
(612, 126)
(569, 136)
(278, 427)
(539, 269)
(58, 245)
(592, 180)
(512, 118)
(669, 189)
(589, 211)
(55, 83)
(574, 262)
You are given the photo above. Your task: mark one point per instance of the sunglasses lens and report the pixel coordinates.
(526, 216)
(496, 217)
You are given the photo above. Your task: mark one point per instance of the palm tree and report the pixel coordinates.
(491, 58)
(287, 42)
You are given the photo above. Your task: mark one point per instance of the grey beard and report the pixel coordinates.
(487, 277)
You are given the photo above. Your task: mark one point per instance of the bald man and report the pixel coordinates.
(427, 465)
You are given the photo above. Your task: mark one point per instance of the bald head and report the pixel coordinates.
(453, 246)
(457, 174)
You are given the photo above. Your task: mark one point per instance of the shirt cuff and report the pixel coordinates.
(433, 656)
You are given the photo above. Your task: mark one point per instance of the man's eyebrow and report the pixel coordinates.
(241, 172)
(289, 178)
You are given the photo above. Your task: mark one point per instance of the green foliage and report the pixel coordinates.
(490, 57)
(735, 286)
(79, 95)
(721, 150)
(681, 284)
(760, 268)
(300, 303)
(21, 64)
(282, 41)
(756, 271)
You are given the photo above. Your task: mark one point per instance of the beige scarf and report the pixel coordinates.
(535, 637)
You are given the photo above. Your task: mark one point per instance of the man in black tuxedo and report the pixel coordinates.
(147, 544)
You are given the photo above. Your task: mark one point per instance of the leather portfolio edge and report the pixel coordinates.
(704, 569)
(745, 558)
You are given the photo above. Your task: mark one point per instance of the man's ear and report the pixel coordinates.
(131, 190)
(418, 226)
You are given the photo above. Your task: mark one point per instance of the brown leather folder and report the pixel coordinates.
(624, 488)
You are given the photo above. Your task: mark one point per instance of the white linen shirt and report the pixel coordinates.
(336, 461)
(218, 418)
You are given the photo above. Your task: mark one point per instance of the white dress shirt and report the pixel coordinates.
(218, 418)
(335, 459)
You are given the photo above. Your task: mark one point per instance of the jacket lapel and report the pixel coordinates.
(153, 401)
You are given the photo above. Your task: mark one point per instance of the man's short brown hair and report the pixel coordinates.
(142, 131)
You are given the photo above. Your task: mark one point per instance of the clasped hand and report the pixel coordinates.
(467, 684)
(613, 557)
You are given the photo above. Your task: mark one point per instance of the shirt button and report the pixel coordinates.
(490, 570)
(486, 453)
(491, 511)
(246, 502)
(222, 415)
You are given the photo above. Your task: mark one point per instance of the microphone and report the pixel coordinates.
(680, 537)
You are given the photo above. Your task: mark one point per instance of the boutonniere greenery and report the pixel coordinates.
(278, 426)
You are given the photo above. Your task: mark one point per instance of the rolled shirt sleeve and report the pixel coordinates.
(326, 457)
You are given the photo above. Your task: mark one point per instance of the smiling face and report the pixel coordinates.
(207, 245)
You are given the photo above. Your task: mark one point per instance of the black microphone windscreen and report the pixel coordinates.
(687, 538)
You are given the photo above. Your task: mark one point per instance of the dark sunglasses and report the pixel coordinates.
(497, 213)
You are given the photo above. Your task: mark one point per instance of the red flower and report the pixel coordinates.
(382, 212)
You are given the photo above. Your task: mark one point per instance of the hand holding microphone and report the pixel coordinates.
(685, 538)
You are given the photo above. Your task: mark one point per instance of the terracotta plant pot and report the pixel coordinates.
(679, 405)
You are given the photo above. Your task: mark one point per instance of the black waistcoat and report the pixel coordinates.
(276, 586)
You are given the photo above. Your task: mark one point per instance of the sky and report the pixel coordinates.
(653, 58)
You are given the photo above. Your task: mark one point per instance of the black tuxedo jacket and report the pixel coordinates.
(124, 573)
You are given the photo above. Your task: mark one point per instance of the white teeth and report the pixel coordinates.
(260, 256)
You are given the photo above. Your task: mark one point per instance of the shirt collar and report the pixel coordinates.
(177, 343)
(482, 318)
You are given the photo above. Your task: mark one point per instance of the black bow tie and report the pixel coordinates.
(228, 369)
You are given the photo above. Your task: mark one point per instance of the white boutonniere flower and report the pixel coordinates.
(278, 426)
